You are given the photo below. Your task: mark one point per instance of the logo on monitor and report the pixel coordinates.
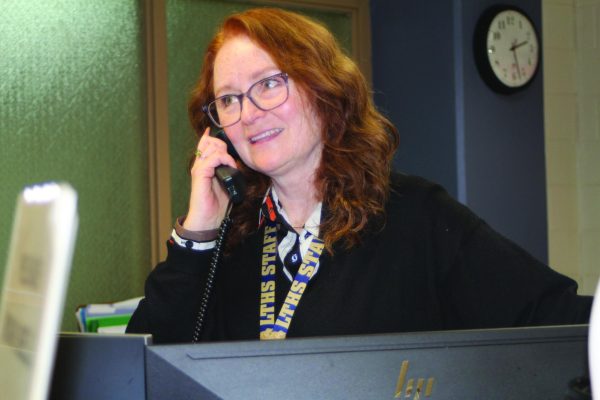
(415, 388)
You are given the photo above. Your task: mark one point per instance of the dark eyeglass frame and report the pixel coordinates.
(207, 107)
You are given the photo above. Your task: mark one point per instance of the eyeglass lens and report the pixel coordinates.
(265, 94)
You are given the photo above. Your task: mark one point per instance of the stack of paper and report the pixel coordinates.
(106, 318)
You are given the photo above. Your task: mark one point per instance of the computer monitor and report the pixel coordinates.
(35, 282)
(516, 363)
(91, 366)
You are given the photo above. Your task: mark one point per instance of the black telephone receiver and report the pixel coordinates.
(230, 178)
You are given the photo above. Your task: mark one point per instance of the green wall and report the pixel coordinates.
(73, 108)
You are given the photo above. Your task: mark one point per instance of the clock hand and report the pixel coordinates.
(516, 46)
(516, 62)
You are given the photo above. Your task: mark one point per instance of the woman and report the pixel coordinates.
(327, 241)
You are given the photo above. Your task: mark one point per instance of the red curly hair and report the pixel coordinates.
(359, 142)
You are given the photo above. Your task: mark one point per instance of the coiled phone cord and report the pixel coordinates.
(212, 270)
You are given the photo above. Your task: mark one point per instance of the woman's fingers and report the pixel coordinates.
(208, 200)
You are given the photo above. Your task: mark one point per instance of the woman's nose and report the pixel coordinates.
(250, 112)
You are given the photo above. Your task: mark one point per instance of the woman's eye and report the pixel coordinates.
(270, 83)
(227, 101)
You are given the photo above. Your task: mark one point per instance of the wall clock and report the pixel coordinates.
(507, 49)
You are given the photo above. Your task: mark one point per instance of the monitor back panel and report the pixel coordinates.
(532, 363)
(90, 366)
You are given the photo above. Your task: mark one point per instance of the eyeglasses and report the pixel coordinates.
(266, 94)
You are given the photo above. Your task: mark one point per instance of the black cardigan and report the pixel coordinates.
(434, 266)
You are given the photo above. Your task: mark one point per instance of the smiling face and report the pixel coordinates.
(283, 143)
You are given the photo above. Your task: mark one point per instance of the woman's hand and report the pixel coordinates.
(208, 200)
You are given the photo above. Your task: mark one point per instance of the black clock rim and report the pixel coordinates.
(480, 49)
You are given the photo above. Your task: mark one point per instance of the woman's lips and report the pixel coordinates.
(265, 135)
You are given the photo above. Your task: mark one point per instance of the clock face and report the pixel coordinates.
(512, 48)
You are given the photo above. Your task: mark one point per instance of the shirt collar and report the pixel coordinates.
(271, 209)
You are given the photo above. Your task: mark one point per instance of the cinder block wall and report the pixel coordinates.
(571, 48)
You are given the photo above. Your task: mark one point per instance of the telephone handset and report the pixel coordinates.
(230, 178)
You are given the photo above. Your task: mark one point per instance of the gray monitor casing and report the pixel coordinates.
(519, 363)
